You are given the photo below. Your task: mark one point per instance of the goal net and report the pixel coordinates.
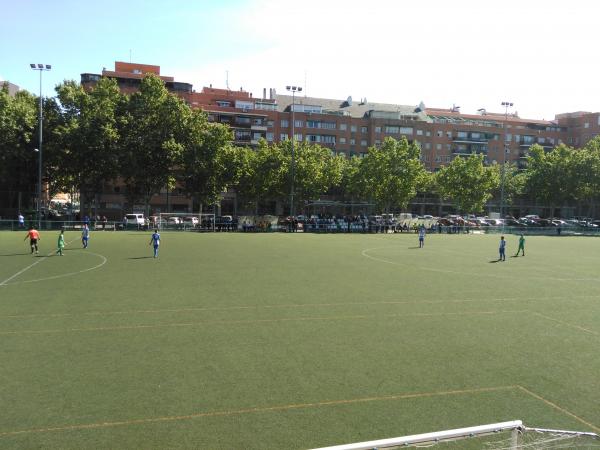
(513, 435)
(184, 221)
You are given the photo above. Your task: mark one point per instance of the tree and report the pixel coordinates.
(392, 173)
(551, 176)
(18, 161)
(467, 182)
(89, 136)
(152, 134)
(316, 171)
(209, 163)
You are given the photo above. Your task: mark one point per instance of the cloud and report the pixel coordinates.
(465, 52)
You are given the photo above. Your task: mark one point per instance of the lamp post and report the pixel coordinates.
(506, 146)
(293, 89)
(41, 68)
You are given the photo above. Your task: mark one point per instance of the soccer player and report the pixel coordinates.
(502, 249)
(421, 236)
(521, 245)
(34, 238)
(85, 235)
(155, 241)
(61, 242)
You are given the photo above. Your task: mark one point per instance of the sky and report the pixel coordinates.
(538, 54)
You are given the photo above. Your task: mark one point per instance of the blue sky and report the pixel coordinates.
(539, 54)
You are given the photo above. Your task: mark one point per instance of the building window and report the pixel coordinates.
(406, 130)
(508, 137)
(363, 129)
(343, 126)
(438, 146)
(449, 134)
(328, 125)
(298, 137)
(475, 135)
(363, 142)
(342, 140)
(313, 124)
(427, 146)
(298, 123)
(378, 129)
(517, 137)
(223, 104)
(270, 123)
(353, 128)
(448, 147)
(427, 133)
(440, 133)
(377, 142)
(284, 123)
(328, 139)
(586, 125)
(438, 158)
(419, 132)
(462, 134)
(270, 137)
(283, 137)
(352, 141)
(392, 130)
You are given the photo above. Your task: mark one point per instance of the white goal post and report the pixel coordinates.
(516, 436)
(185, 221)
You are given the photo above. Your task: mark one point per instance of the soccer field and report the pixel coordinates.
(292, 341)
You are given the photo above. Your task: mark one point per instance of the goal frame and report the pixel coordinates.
(515, 427)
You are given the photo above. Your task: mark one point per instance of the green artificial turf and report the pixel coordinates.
(292, 341)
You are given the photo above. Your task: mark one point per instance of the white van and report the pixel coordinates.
(134, 220)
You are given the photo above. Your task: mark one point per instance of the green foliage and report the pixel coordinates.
(391, 174)
(152, 135)
(18, 126)
(87, 136)
(468, 183)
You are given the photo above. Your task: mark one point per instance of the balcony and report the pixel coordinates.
(469, 140)
(255, 127)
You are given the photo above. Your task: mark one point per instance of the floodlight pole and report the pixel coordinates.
(505, 147)
(40, 68)
(293, 89)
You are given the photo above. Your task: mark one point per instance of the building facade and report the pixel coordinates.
(349, 127)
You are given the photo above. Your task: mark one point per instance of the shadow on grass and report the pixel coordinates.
(495, 261)
(141, 257)
(16, 254)
(412, 248)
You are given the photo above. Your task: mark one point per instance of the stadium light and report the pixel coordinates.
(40, 68)
(506, 147)
(293, 89)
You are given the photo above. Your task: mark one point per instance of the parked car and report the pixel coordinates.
(192, 220)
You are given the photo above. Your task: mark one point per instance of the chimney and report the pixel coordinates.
(264, 93)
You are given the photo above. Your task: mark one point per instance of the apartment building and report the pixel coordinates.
(349, 127)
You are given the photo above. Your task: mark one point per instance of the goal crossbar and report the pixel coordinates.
(435, 437)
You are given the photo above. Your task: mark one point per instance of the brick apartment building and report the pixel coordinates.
(349, 127)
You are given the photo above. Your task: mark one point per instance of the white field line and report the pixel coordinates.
(365, 253)
(39, 260)
(187, 309)
(63, 275)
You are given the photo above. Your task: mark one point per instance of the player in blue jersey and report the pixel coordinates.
(155, 241)
(421, 236)
(502, 249)
(85, 235)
